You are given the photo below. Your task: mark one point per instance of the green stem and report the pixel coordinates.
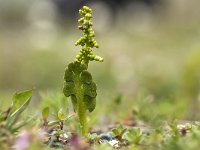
(81, 108)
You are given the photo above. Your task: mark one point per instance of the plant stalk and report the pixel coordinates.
(81, 108)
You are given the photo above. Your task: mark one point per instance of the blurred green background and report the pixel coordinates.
(147, 49)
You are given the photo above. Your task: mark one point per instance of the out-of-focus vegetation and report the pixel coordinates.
(151, 72)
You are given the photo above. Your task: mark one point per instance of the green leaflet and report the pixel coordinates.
(76, 67)
(90, 89)
(90, 102)
(10, 121)
(77, 76)
(45, 112)
(86, 77)
(69, 89)
(21, 101)
(61, 115)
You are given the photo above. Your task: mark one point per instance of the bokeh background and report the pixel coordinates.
(151, 50)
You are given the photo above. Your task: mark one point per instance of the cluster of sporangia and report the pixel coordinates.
(87, 41)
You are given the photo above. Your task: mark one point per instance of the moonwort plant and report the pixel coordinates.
(78, 82)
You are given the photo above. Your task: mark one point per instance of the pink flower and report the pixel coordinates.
(22, 142)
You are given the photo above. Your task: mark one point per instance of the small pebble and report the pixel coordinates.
(114, 143)
(105, 137)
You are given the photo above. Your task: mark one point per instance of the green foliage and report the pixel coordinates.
(60, 118)
(81, 88)
(78, 83)
(134, 136)
(93, 138)
(57, 135)
(45, 113)
(76, 76)
(61, 115)
(10, 119)
(55, 101)
(20, 102)
(119, 132)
